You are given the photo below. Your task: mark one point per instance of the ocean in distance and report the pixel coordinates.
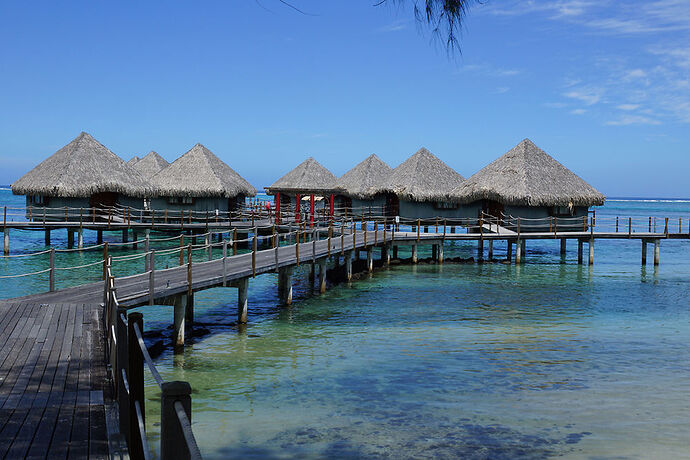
(485, 361)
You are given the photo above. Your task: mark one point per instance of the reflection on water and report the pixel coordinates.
(478, 361)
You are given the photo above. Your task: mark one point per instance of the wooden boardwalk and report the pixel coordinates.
(135, 290)
(52, 381)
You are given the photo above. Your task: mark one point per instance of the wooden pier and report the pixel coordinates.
(52, 381)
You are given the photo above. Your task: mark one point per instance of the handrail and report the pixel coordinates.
(187, 431)
(147, 358)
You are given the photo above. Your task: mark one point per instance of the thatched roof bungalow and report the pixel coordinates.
(199, 181)
(421, 187)
(528, 182)
(360, 187)
(309, 179)
(82, 174)
(150, 165)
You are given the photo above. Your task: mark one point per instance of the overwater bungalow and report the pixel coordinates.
(421, 187)
(309, 181)
(82, 174)
(150, 165)
(199, 181)
(527, 182)
(359, 188)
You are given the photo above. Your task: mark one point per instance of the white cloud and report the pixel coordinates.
(633, 120)
(489, 70)
(628, 107)
(578, 111)
(589, 96)
(502, 89)
(393, 27)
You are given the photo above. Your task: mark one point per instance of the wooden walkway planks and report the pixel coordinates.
(52, 380)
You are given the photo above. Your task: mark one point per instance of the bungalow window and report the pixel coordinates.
(181, 200)
(445, 205)
(37, 200)
(561, 211)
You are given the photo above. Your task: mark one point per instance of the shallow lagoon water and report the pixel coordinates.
(548, 359)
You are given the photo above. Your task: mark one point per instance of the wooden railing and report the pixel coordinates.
(128, 355)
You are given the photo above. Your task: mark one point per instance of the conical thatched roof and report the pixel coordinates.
(365, 179)
(80, 169)
(150, 165)
(308, 176)
(423, 177)
(200, 173)
(132, 161)
(528, 176)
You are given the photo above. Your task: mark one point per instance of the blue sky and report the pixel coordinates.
(603, 86)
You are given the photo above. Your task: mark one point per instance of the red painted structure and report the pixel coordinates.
(311, 210)
(278, 207)
(332, 206)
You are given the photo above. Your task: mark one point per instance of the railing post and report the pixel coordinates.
(52, 270)
(419, 222)
(135, 379)
(225, 256)
(666, 227)
(105, 258)
(189, 272)
(629, 226)
(254, 247)
(173, 444)
(152, 281)
(234, 241)
(122, 367)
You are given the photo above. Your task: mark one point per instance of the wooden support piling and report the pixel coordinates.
(579, 251)
(179, 309)
(46, 237)
(370, 259)
(348, 265)
(657, 249)
(591, 251)
(563, 246)
(242, 291)
(105, 259)
(322, 275)
(414, 253)
(6, 238)
(509, 250)
(491, 250)
(518, 252)
(644, 252)
(285, 277)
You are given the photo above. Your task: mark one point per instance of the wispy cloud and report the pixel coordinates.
(502, 89)
(396, 26)
(607, 16)
(633, 120)
(489, 70)
(589, 96)
(628, 107)
(578, 111)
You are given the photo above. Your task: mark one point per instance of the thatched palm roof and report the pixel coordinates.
(308, 177)
(199, 173)
(80, 169)
(528, 176)
(422, 177)
(150, 165)
(132, 161)
(365, 179)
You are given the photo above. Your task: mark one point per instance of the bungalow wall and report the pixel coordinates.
(199, 204)
(563, 218)
(431, 210)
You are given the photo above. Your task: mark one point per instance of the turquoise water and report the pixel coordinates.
(548, 359)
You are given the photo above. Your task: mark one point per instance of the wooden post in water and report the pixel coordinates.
(348, 265)
(518, 251)
(179, 309)
(414, 252)
(46, 237)
(657, 249)
(491, 249)
(591, 251)
(322, 275)
(579, 250)
(242, 290)
(563, 246)
(644, 252)
(70, 238)
(285, 275)
(480, 249)
(440, 253)
(6, 234)
(173, 444)
(509, 250)
(370, 259)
